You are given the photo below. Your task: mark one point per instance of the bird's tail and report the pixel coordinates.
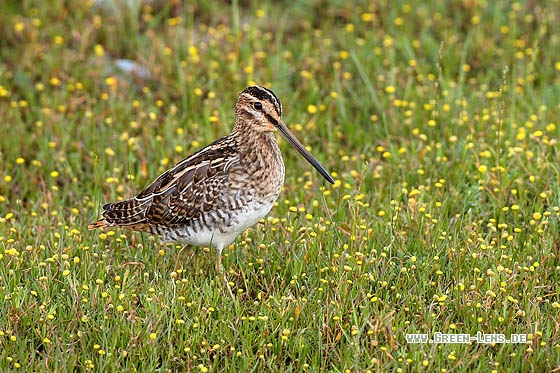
(98, 224)
(130, 213)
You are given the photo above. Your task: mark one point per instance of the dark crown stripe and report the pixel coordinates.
(263, 93)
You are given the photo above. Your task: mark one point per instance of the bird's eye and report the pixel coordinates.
(257, 106)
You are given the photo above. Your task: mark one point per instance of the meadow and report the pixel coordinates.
(438, 120)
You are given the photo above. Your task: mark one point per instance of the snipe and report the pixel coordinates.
(218, 192)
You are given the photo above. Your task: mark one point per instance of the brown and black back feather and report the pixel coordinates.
(193, 187)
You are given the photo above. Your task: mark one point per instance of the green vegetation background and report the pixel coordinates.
(438, 120)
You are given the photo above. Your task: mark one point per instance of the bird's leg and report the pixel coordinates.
(178, 263)
(220, 269)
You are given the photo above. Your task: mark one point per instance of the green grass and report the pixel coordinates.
(439, 122)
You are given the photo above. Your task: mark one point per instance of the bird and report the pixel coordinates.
(210, 197)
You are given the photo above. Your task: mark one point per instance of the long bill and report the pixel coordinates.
(289, 136)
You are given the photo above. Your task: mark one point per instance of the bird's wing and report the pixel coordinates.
(192, 188)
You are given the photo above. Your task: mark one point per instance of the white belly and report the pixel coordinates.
(223, 235)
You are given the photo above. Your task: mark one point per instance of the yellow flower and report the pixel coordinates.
(390, 89)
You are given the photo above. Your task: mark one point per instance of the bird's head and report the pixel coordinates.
(261, 110)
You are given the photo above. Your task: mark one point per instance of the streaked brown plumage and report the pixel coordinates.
(210, 197)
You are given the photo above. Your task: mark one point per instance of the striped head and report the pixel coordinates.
(260, 109)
